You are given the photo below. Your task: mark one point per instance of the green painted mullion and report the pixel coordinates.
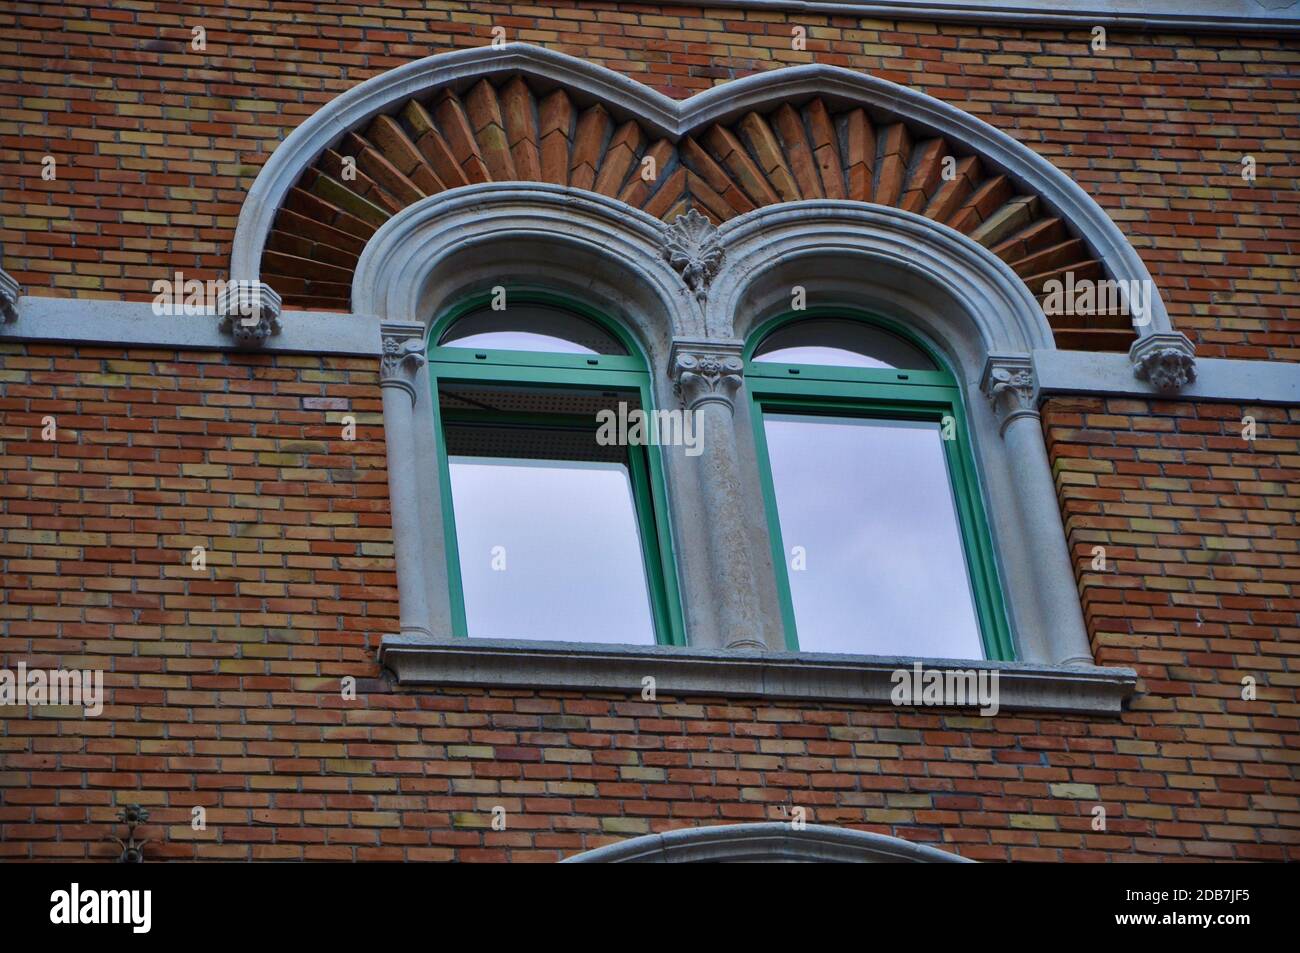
(497, 358)
(775, 537)
(661, 525)
(513, 374)
(455, 586)
(977, 539)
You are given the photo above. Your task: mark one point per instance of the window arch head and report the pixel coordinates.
(535, 323)
(833, 341)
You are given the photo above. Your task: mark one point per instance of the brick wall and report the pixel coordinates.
(224, 685)
(156, 144)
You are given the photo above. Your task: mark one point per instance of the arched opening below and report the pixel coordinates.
(772, 842)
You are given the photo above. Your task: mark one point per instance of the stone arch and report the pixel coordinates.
(798, 134)
(448, 246)
(766, 843)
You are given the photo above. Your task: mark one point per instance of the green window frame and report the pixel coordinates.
(891, 393)
(628, 373)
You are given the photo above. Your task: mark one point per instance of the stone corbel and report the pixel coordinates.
(1164, 359)
(8, 297)
(249, 312)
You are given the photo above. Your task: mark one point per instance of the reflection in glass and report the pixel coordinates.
(550, 549)
(840, 342)
(528, 326)
(879, 567)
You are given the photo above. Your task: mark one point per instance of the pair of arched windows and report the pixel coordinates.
(557, 521)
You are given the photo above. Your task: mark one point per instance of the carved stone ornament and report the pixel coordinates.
(250, 312)
(692, 248)
(1007, 379)
(402, 358)
(701, 378)
(8, 297)
(1009, 384)
(1165, 360)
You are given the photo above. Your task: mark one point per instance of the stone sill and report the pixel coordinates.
(812, 677)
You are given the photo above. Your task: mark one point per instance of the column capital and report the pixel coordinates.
(1165, 359)
(706, 372)
(402, 356)
(1009, 384)
(249, 312)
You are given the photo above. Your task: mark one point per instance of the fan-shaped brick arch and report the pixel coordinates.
(509, 129)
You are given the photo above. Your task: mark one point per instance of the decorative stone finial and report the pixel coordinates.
(692, 248)
(705, 372)
(250, 312)
(1165, 359)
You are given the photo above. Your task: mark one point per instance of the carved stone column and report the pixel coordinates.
(403, 356)
(707, 377)
(1054, 620)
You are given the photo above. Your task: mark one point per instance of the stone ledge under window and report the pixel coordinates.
(579, 666)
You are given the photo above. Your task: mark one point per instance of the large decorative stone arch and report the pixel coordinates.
(766, 843)
(805, 133)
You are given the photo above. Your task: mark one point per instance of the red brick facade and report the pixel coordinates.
(223, 686)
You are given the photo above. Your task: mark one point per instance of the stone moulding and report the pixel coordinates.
(805, 677)
(1217, 16)
(767, 842)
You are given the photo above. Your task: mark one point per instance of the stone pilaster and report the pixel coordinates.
(402, 358)
(1055, 620)
(708, 378)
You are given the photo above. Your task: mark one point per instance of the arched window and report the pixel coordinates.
(874, 511)
(555, 528)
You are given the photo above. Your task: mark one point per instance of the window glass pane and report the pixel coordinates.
(870, 504)
(531, 327)
(839, 342)
(549, 548)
